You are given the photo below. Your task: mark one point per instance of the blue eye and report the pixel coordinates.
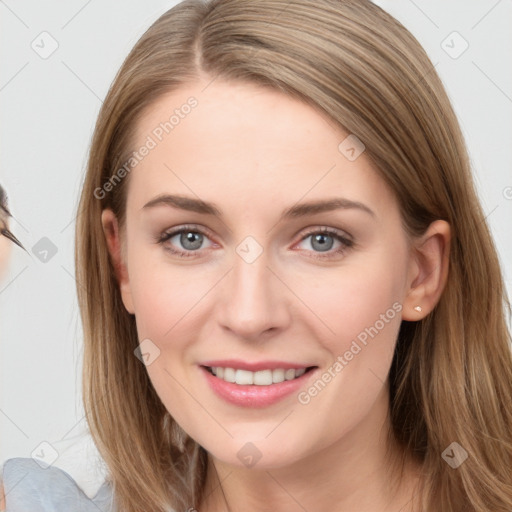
(322, 242)
(191, 239)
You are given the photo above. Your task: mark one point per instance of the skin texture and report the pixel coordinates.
(5, 243)
(5, 250)
(255, 152)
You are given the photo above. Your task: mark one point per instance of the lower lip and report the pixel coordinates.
(252, 395)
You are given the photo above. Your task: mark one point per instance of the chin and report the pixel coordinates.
(258, 454)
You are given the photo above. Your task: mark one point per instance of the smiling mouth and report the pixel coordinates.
(258, 378)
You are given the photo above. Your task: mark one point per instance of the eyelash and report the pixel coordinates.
(346, 242)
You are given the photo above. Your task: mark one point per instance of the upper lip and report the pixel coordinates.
(255, 365)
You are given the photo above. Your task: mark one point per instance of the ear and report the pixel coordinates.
(114, 243)
(428, 270)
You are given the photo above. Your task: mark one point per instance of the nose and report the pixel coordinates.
(254, 303)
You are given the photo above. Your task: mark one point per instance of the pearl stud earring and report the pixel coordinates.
(417, 308)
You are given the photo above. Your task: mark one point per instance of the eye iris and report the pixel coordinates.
(320, 238)
(195, 239)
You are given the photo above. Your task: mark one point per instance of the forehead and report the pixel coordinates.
(245, 140)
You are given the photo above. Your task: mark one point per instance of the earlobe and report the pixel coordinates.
(113, 239)
(428, 271)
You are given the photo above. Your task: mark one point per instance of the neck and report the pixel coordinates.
(353, 474)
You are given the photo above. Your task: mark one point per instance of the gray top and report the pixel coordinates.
(31, 486)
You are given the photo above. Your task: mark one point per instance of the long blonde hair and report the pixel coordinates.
(451, 376)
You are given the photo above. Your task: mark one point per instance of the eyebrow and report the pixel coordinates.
(295, 211)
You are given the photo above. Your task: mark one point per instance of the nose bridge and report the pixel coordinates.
(253, 301)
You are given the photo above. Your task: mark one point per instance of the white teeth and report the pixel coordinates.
(289, 374)
(244, 377)
(277, 375)
(263, 378)
(229, 375)
(259, 378)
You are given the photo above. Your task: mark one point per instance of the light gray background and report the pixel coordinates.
(49, 107)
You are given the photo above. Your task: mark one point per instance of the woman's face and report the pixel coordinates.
(252, 282)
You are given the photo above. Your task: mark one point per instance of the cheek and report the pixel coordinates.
(162, 299)
(356, 298)
(167, 301)
(168, 298)
(363, 308)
